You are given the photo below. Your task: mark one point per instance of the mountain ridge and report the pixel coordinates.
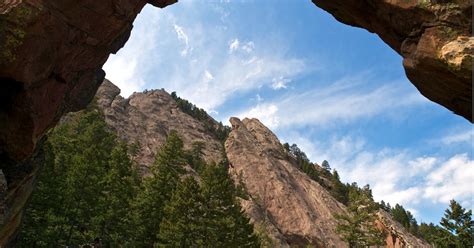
(275, 185)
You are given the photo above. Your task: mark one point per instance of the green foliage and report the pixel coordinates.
(325, 165)
(218, 130)
(182, 225)
(435, 235)
(459, 222)
(303, 162)
(12, 31)
(226, 225)
(358, 227)
(265, 240)
(339, 190)
(194, 156)
(90, 193)
(157, 190)
(87, 185)
(405, 218)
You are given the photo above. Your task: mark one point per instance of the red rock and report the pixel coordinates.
(432, 36)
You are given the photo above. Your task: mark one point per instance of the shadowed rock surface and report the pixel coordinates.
(51, 55)
(432, 36)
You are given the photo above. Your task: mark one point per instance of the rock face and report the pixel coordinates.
(51, 54)
(299, 208)
(397, 236)
(292, 209)
(145, 119)
(295, 210)
(432, 36)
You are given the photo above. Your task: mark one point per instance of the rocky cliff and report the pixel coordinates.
(433, 37)
(292, 209)
(295, 210)
(145, 119)
(293, 204)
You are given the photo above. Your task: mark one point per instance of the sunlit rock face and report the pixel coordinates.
(146, 118)
(51, 55)
(432, 36)
(296, 211)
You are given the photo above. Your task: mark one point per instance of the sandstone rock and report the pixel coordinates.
(51, 54)
(147, 118)
(298, 207)
(295, 210)
(397, 236)
(433, 37)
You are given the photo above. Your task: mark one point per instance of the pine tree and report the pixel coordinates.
(226, 224)
(78, 198)
(119, 187)
(157, 190)
(400, 215)
(182, 225)
(339, 190)
(325, 165)
(458, 221)
(358, 227)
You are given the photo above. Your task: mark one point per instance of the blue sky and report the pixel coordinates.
(338, 92)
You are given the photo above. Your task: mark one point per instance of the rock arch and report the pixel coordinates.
(52, 52)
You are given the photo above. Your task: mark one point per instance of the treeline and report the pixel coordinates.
(218, 130)
(357, 227)
(455, 229)
(90, 193)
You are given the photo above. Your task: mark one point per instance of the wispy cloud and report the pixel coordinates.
(126, 68)
(395, 176)
(459, 137)
(183, 37)
(345, 100)
(280, 83)
(214, 65)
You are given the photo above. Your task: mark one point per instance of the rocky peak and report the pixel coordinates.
(294, 209)
(300, 209)
(146, 118)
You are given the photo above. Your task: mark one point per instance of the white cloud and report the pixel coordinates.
(466, 136)
(395, 176)
(232, 75)
(248, 47)
(126, 68)
(264, 112)
(343, 101)
(234, 45)
(452, 180)
(182, 36)
(280, 83)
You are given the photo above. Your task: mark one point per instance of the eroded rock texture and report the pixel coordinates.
(397, 236)
(295, 210)
(51, 55)
(432, 36)
(298, 207)
(145, 120)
